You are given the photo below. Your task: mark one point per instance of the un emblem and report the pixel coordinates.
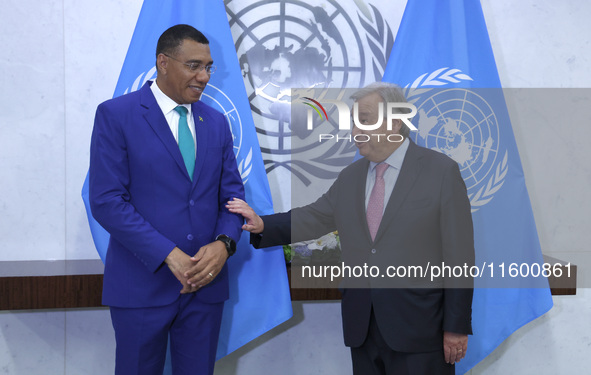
(217, 99)
(460, 123)
(285, 44)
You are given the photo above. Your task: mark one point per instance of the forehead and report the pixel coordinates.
(190, 50)
(369, 103)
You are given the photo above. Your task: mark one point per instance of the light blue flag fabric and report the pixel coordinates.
(443, 59)
(259, 289)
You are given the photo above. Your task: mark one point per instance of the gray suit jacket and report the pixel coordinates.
(427, 222)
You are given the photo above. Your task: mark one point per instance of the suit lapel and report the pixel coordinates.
(155, 118)
(410, 170)
(359, 195)
(201, 136)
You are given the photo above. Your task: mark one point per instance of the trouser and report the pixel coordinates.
(375, 357)
(142, 334)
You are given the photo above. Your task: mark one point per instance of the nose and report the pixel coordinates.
(202, 76)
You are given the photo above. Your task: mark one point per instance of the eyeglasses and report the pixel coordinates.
(196, 67)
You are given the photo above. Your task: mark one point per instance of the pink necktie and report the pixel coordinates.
(375, 207)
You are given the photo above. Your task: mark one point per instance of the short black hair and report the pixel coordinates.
(173, 37)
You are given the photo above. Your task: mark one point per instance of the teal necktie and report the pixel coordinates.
(186, 144)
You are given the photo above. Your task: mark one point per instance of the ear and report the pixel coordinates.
(161, 63)
(396, 126)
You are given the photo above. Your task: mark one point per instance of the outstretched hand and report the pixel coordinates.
(254, 223)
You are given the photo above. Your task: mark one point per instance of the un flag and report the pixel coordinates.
(443, 58)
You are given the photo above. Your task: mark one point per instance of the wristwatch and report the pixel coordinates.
(230, 244)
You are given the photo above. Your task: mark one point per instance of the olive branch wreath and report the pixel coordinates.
(379, 38)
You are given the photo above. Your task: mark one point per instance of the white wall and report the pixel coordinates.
(62, 58)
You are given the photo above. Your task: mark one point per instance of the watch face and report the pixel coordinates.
(230, 244)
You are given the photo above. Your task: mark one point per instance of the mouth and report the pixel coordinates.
(197, 89)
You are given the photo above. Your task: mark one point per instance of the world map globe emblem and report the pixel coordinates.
(298, 45)
(461, 124)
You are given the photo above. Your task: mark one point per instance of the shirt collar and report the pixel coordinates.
(396, 158)
(165, 103)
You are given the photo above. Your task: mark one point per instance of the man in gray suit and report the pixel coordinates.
(400, 204)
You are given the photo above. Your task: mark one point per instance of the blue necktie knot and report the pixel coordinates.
(181, 110)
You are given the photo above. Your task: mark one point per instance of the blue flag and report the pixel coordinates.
(443, 59)
(259, 289)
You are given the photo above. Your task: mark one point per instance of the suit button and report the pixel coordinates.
(192, 202)
(190, 237)
(373, 251)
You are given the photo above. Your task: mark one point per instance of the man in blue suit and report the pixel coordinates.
(162, 166)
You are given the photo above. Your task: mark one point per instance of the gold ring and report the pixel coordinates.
(210, 275)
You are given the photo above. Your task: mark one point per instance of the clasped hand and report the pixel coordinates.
(199, 270)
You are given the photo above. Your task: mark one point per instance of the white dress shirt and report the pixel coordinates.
(167, 105)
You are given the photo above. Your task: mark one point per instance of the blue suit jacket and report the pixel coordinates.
(141, 193)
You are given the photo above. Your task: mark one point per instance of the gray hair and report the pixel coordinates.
(390, 93)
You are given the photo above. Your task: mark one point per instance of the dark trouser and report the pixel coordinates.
(142, 336)
(375, 357)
